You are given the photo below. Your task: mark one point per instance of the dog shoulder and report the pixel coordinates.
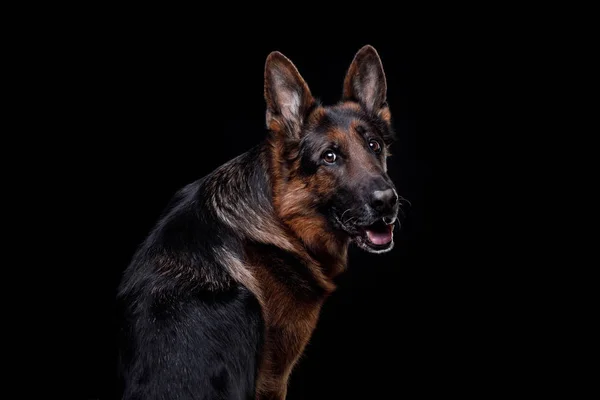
(190, 326)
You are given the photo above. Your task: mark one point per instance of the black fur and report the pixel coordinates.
(190, 331)
(288, 270)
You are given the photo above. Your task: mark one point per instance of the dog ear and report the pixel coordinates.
(287, 95)
(365, 80)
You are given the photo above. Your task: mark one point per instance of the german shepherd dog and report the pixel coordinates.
(224, 293)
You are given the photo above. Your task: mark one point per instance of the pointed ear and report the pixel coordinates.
(287, 95)
(365, 80)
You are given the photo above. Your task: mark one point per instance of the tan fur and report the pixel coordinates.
(289, 323)
(385, 115)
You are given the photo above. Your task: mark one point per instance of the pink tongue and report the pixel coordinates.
(380, 238)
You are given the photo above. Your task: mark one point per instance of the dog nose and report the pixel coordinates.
(384, 199)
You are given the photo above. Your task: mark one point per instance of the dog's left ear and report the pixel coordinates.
(365, 81)
(287, 95)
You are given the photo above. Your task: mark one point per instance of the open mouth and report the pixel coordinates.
(380, 233)
(376, 237)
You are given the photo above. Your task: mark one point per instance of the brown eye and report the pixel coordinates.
(329, 157)
(375, 146)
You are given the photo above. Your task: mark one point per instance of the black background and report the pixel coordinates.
(115, 108)
(164, 106)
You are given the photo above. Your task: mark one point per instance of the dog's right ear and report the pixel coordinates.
(287, 95)
(365, 80)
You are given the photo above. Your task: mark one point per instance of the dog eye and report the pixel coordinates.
(329, 157)
(375, 146)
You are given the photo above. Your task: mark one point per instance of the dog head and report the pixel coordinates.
(329, 162)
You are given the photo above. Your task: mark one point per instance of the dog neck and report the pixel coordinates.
(252, 197)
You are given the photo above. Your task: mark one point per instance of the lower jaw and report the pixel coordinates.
(366, 245)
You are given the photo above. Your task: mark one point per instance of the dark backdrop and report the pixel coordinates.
(132, 104)
(166, 109)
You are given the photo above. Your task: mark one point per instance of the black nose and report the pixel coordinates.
(384, 200)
